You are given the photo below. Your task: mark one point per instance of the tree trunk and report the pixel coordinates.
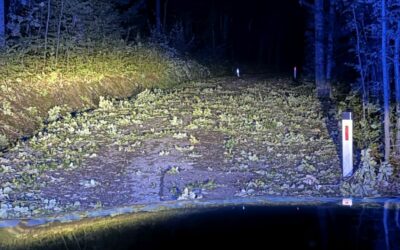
(213, 39)
(277, 51)
(323, 88)
(2, 25)
(261, 50)
(47, 29)
(385, 82)
(225, 29)
(165, 16)
(188, 26)
(397, 85)
(158, 16)
(330, 49)
(213, 19)
(59, 29)
(360, 64)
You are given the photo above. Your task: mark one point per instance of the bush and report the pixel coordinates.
(367, 129)
(368, 178)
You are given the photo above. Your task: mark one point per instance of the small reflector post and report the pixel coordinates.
(347, 202)
(347, 144)
(295, 73)
(238, 72)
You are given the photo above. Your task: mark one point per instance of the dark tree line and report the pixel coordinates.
(2, 24)
(370, 32)
(57, 28)
(212, 27)
(256, 32)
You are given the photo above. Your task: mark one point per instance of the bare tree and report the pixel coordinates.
(323, 88)
(361, 67)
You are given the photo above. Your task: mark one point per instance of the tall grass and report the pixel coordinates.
(30, 86)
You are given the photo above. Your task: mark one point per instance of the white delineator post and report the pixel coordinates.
(295, 73)
(347, 144)
(237, 72)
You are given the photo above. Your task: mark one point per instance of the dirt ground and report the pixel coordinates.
(219, 139)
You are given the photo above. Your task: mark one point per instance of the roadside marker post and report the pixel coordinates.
(295, 73)
(237, 72)
(347, 144)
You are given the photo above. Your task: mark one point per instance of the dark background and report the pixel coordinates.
(269, 33)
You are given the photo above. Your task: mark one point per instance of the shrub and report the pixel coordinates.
(368, 178)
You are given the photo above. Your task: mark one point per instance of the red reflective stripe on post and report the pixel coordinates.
(346, 133)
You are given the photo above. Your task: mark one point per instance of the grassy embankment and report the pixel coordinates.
(33, 91)
(101, 233)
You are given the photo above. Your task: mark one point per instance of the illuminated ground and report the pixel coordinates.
(216, 140)
(244, 221)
